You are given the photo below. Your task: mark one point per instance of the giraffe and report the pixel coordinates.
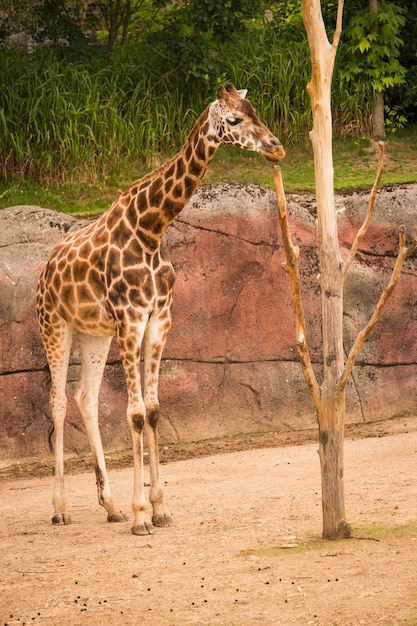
(111, 279)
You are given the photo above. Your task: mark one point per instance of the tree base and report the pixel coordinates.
(343, 531)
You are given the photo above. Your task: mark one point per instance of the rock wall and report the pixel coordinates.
(230, 363)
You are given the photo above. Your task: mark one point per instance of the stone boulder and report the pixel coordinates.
(230, 364)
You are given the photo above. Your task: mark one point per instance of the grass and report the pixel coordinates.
(354, 159)
(382, 532)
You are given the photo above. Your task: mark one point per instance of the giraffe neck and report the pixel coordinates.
(152, 203)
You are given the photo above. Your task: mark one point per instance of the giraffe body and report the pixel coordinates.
(110, 279)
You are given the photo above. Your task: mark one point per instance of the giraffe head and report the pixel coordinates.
(235, 121)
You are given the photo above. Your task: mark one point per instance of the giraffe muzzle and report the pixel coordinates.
(275, 152)
(272, 148)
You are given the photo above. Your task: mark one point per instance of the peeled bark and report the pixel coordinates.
(331, 411)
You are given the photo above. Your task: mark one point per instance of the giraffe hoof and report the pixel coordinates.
(143, 529)
(117, 517)
(62, 519)
(162, 520)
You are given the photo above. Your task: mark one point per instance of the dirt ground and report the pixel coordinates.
(245, 547)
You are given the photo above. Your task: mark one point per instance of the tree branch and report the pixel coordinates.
(291, 267)
(403, 253)
(362, 231)
(338, 30)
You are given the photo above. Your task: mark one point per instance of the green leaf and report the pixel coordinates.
(364, 45)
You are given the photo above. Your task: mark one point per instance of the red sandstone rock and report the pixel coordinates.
(230, 364)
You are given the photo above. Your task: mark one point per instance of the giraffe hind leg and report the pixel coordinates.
(94, 351)
(57, 340)
(130, 340)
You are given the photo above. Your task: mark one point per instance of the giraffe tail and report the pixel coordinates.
(47, 385)
(50, 437)
(47, 377)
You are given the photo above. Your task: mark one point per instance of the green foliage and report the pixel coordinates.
(65, 118)
(54, 22)
(405, 96)
(81, 114)
(375, 45)
(16, 16)
(287, 22)
(355, 160)
(221, 18)
(394, 120)
(276, 79)
(194, 37)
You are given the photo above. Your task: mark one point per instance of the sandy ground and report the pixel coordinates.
(245, 547)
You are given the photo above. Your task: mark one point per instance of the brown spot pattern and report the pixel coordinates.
(110, 278)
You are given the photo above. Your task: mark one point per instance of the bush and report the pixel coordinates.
(85, 117)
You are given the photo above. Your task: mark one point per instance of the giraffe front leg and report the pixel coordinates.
(130, 339)
(161, 515)
(142, 524)
(155, 338)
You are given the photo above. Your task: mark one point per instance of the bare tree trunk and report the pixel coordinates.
(379, 116)
(331, 419)
(113, 19)
(126, 20)
(331, 411)
(379, 113)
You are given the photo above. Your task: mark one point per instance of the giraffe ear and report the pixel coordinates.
(221, 91)
(229, 88)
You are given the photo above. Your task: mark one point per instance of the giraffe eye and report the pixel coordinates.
(235, 121)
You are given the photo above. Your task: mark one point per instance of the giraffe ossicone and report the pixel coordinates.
(111, 279)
